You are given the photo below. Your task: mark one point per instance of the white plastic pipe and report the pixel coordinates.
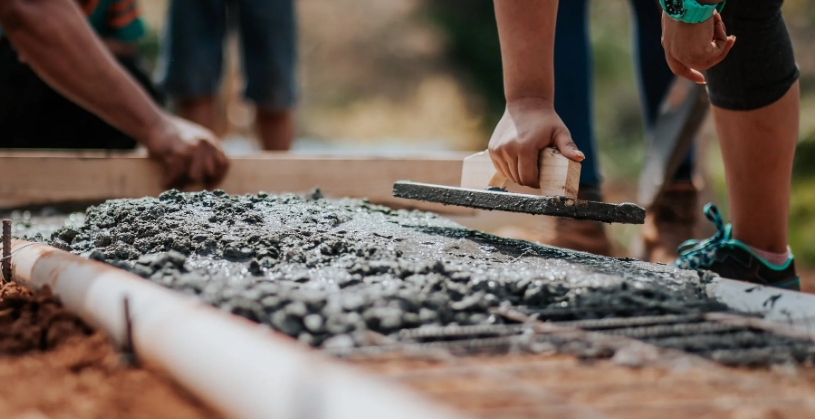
(777, 305)
(240, 368)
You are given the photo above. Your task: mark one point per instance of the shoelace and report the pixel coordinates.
(695, 254)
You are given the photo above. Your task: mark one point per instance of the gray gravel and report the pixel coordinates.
(331, 272)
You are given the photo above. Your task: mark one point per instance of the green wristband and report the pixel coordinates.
(690, 11)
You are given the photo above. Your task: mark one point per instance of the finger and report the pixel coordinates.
(210, 171)
(682, 70)
(176, 180)
(719, 30)
(499, 163)
(564, 143)
(731, 40)
(197, 171)
(528, 167)
(511, 158)
(723, 43)
(222, 164)
(175, 172)
(720, 38)
(717, 17)
(216, 168)
(217, 163)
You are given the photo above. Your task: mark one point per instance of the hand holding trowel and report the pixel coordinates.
(483, 187)
(522, 147)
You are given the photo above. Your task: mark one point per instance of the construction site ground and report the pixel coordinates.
(56, 367)
(417, 300)
(558, 386)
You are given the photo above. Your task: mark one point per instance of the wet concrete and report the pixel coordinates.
(499, 200)
(329, 272)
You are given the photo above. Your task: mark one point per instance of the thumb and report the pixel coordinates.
(682, 70)
(567, 147)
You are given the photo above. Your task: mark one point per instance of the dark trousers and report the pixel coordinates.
(573, 76)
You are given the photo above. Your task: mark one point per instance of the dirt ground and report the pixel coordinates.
(807, 280)
(556, 386)
(54, 366)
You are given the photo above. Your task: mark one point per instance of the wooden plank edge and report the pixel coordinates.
(41, 178)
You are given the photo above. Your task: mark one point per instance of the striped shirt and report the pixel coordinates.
(113, 19)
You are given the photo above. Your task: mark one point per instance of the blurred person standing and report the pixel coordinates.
(673, 219)
(191, 61)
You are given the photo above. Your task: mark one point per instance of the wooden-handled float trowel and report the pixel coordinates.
(482, 187)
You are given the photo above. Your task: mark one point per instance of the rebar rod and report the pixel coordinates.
(6, 251)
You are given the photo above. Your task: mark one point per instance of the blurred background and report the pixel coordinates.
(422, 75)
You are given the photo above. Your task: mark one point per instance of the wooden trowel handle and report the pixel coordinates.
(498, 181)
(558, 175)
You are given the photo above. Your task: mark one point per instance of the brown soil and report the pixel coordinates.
(807, 276)
(34, 322)
(52, 365)
(556, 386)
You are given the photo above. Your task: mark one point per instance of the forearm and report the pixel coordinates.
(121, 49)
(527, 33)
(54, 38)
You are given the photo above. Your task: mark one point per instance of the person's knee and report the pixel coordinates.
(761, 67)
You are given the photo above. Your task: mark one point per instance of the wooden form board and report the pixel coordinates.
(36, 178)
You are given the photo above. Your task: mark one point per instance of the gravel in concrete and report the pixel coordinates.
(332, 271)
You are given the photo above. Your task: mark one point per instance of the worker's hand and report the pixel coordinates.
(693, 48)
(189, 153)
(528, 126)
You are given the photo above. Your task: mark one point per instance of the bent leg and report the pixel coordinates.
(268, 31)
(275, 128)
(755, 98)
(191, 58)
(758, 147)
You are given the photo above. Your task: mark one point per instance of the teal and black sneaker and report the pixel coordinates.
(733, 259)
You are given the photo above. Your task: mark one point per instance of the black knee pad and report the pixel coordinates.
(761, 67)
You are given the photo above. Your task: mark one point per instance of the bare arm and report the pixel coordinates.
(121, 49)
(691, 49)
(527, 32)
(54, 38)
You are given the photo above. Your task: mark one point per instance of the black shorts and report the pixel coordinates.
(761, 67)
(33, 115)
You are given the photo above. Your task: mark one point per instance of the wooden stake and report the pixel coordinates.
(128, 349)
(6, 250)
